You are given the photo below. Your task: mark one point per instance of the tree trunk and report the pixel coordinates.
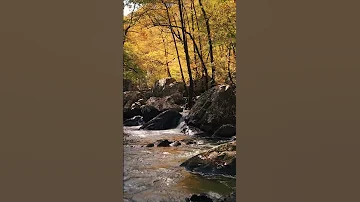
(176, 48)
(209, 41)
(166, 58)
(229, 62)
(186, 50)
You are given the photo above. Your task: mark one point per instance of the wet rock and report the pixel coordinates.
(150, 145)
(166, 120)
(135, 121)
(175, 144)
(199, 198)
(149, 112)
(163, 143)
(225, 131)
(214, 108)
(164, 103)
(191, 130)
(219, 160)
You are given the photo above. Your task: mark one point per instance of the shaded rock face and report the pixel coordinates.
(167, 86)
(149, 112)
(129, 113)
(214, 108)
(163, 103)
(219, 160)
(166, 120)
(135, 121)
(225, 131)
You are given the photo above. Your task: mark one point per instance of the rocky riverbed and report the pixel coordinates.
(155, 174)
(172, 154)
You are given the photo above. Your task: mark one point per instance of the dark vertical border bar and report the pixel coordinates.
(298, 93)
(61, 104)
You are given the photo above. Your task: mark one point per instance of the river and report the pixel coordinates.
(153, 174)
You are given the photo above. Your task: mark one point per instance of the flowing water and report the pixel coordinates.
(153, 174)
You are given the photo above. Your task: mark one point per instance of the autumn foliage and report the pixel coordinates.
(171, 38)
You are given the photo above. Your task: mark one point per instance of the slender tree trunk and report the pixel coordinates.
(186, 50)
(229, 62)
(204, 72)
(193, 32)
(209, 41)
(166, 58)
(176, 48)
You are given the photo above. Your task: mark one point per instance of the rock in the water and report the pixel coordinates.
(191, 130)
(225, 131)
(149, 112)
(175, 144)
(150, 145)
(219, 160)
(135, 121)
(199, 198)
(214, 108)
(166, 120)
(163, 143)
(163, 103)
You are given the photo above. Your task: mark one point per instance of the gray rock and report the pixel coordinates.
(220, 160)
(225, 131)
(166, 120)
(214, 108)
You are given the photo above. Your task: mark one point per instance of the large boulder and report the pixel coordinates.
(163, 103)
(214, 108)
(219, 160)
(225, 131)
(167, 86)
(149, 112)
(166, 120)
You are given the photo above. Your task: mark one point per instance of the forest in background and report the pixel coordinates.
(187, 40)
